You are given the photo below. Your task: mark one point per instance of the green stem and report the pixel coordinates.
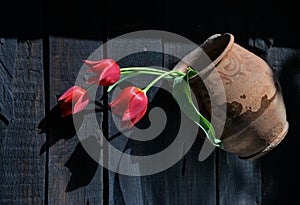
(157, 79)
(143, 68)
(140, 72)
(148, 73)
(90, 86)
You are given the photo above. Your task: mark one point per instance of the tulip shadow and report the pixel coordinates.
(163, 138)
(159, 141)
(57, 127)
(81, 165)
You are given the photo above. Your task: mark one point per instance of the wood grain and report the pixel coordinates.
(8, 55)
(195, 181)
(22, 170)
(124, 189)
(77, 29)
(66, 57)
(239, 181)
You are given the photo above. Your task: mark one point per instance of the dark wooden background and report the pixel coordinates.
(42, 44)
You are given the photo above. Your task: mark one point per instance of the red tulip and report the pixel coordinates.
(107, 72)
(73, 100)
(131, 104)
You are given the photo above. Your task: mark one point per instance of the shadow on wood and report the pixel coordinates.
(57, 127)
(82, 166)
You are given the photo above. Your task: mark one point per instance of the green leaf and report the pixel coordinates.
(182, 94)
(191, 73)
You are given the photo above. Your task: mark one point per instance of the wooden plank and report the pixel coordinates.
(22, 170)
(188, 181)
(195, 181)
(229, 173)
(124, 188)
(66, 55)
(279, 167)
(239, 181)
(8, 54)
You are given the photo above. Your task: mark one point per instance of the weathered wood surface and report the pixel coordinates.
(125, 189)
(221, 179)
(29, 178)
(239, 181)
(279, 170)
(22, 170)
(8, 55)
(182, 182)
(66, 57)
(192, 176)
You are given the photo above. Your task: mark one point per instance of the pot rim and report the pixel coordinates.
(207, 45)
(227, 48)
(215, 48)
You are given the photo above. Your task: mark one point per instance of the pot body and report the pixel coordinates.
(255, 119)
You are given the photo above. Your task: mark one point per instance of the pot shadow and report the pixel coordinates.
(280, 164)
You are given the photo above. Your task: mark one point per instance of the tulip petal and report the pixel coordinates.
(122, 101)
(126, 115)
(68, 93)
(126, 124)
(104, 64)
(81, 103)
(74, 95)
(91, 63)
(138, 107)
(100, 63)
(109, 76)
(66, 109)
(132, 104)
(93, 79)
(107, 72)
(118, 106)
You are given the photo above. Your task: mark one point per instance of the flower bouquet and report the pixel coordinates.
(131, 104)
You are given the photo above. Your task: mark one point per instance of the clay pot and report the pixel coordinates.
(255, 120)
